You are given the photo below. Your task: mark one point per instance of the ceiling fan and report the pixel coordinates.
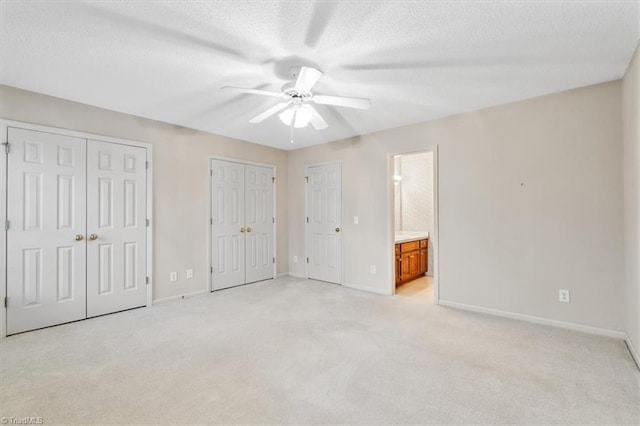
(296, 109)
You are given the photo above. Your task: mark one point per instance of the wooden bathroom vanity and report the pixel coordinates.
(411, 259)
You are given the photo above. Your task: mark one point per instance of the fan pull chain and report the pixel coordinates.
(293, 119)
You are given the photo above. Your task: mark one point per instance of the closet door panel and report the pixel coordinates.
(116, 227)
(46, 256)
(259, 220)
(228, 228)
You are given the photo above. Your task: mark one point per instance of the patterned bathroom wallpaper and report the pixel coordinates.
(414, 208)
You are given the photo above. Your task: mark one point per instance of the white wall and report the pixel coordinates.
(181, 169)
(631, 132)
(530, 200)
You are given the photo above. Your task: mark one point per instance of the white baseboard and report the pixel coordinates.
(282, 274)
(367, 289)
(634, 352)
(536, 320)
(180, 297)
(296, 275)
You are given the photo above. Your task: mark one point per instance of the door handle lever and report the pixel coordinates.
(242, 230)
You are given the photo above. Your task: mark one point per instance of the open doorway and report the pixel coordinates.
(414, 227)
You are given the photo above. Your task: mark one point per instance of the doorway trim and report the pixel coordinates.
(209, 225)
(306, 214)
(392, 216)
(4, 132)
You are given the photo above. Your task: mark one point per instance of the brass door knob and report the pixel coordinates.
(242, 230)
(248, 229)
(337, 229)
(79, 237)
(93, 237)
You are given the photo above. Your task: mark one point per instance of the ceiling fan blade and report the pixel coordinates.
(323, 11)
(268, 113)
(254, 91)
(307, 78)
(317, 121)
(359, 103)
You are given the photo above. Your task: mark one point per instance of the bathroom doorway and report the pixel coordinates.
(414, 225)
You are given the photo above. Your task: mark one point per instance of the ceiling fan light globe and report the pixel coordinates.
(286, 116)
(303, 117)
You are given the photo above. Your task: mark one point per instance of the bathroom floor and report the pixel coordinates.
(420, 288)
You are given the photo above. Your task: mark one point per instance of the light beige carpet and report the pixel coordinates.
(298, 351)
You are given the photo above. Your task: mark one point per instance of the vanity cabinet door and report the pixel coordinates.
(406, 266)
(414, 264)
(423, 260)
(398, 264)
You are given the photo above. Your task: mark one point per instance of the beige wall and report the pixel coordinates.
(631, 132)
(530, 200)
(180, 162)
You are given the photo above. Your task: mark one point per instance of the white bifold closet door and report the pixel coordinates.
(324, 210)
(116, 224)
(46, 256)
(241, 224)
(76, 243)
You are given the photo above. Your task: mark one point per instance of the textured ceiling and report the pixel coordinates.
(415, 60)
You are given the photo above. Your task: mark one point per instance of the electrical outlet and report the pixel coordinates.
(372, 269)
(295, 259)
(564, 296)
(356, 220)
(173, 276)
(189, 274)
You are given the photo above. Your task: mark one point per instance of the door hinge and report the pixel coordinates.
(146, 222)
(146, 280)
(307, 219)
(146, 165)
(274, 260)
(211, 221)
(6, 147)
(212, 269)
(273, 220)
(273, 180)
(210, 172)
(6, 301)
(306, 178)
(307, 260)
(6, 225)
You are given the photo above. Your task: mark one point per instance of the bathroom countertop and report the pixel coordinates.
(405, 237)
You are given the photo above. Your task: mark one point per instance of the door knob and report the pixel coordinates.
(248, 229)
(337, 229)
(241, 229)
(93, 237)
(79, 237)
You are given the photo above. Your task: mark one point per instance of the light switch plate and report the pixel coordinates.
(173, 276)
(189, 274)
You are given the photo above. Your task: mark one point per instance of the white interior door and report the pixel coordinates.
(46, 251)
(324, 228)
(227, 224)
(116, 227)
(259, 219)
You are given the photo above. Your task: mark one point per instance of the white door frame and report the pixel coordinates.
(391, 255)
(306, 214)
(4, 131)
(209, 249)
